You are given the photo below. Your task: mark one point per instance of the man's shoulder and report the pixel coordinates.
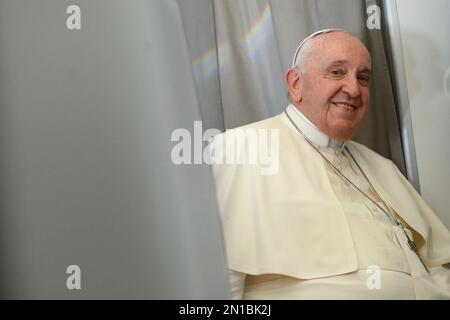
(366, 152)
(268, 123)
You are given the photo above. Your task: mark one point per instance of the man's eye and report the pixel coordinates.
(363, 79)
(337, 72)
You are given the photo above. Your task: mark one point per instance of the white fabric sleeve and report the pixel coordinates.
(237, 283)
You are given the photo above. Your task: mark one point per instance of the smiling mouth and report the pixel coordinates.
(345, 106)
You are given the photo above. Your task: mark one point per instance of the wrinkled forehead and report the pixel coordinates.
(339, 46)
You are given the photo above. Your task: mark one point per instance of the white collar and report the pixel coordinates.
(313, 133)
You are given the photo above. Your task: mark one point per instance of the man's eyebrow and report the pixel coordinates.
(346, 62)
(338, 62)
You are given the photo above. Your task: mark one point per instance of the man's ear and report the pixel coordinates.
(293, 84)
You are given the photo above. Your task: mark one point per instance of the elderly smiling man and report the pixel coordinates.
(337, 221)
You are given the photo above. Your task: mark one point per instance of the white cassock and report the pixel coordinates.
(306, 233)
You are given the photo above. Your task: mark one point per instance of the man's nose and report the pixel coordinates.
(351, 87)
